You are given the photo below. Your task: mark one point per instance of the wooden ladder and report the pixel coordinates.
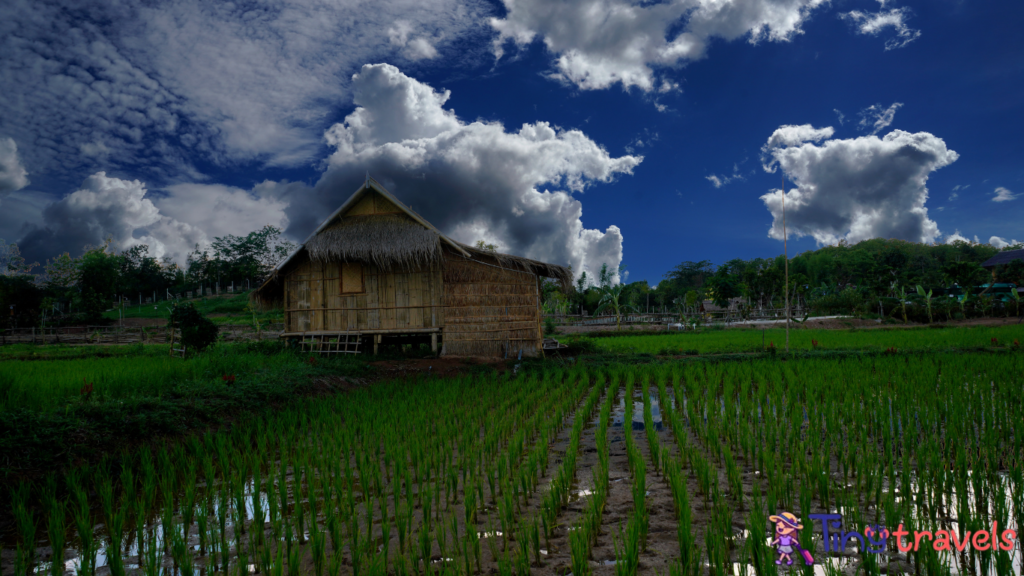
(340, 343)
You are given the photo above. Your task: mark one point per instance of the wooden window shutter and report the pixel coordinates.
(352, 278)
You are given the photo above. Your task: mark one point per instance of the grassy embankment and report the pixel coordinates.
(223, 309)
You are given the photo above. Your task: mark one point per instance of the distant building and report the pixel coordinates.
(1002, 258)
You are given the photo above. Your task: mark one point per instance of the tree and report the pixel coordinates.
(252, 256)
(927, 300)
(97, 281)
(12, 263)
(62, 273)
(722, 288)
(611, 297)
(964, 273)
(20, 301)
(482, 245)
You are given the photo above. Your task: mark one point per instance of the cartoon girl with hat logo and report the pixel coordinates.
(785, 542)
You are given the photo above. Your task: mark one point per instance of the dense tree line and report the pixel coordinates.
(861, 279)
(79, 289)
(844, 278)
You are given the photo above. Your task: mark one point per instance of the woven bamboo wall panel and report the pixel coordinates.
(390, 301)
(489, 311)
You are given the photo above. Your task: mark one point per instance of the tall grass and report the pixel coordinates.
(48, 385)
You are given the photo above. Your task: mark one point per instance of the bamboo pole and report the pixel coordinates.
(785, 252)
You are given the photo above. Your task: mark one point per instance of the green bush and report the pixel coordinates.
(197, 331)
(549, 326)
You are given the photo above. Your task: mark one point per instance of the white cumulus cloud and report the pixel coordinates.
(124, 211)
(1001, 243)
(854, 189)
(473, 180)
(873, 23)
(955, 237)
(12, 174)
(1003, 195)
(598, 43)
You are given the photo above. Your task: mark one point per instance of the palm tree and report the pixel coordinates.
(927, 300)
(610, 296)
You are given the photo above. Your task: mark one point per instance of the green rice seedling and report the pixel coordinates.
(152, 565)
(277, 566)
(535, 541)
(55, 530)
(714, 543)
(181, 554)
(319, 544)
(83, 524)
(23, 518)
(627, 549)
(425, 546)
(295, 561)
(579, 546)
(115, 533)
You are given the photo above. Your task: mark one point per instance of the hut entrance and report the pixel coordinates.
(332, 343)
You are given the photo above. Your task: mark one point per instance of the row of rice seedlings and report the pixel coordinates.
(468, 549)
(557, 496)
(526, 531)
(583, 536)
(518, 479)
(633, 540)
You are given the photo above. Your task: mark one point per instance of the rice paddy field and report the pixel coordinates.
(38, 386)
(755, 340)
(612, 467)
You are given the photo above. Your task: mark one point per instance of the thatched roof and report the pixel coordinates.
(387, 240)
(395, 240)
(560, 273)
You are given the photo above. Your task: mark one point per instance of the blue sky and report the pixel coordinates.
(579, 132)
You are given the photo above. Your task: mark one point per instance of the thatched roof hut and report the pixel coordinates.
(376, 270)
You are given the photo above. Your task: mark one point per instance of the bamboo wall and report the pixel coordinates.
(391, 300)
(490, 311)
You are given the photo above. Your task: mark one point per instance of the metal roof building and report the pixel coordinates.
(1003, 258)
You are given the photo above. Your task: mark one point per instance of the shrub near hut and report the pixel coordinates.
(197, 331)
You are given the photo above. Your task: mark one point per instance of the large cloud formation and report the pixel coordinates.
(122, 210)
(854, 189)
(472, 180)
(92, 85)
(598, 43)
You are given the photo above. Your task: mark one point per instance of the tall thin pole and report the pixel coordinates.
(785, 253)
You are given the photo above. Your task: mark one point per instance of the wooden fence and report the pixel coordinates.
(134, 335)
(665, 318)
